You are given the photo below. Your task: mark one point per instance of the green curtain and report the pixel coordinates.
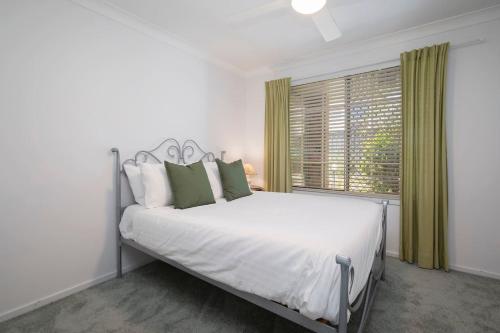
(424, 178)
(277, 172)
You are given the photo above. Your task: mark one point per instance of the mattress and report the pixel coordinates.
(279, 246)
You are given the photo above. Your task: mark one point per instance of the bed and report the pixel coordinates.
(311, 259)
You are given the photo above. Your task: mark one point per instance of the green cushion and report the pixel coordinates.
(190, 185)
(234, 181)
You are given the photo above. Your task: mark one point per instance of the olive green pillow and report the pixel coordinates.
(234, 181)
(190, 185)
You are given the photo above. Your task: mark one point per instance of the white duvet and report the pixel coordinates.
(279, 246)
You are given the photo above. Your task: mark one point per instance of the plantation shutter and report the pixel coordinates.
(345, 133)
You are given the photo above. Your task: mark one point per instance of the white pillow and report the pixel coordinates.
(214, 178)
(135, 180)
(157, 190)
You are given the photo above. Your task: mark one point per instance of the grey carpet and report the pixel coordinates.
(158, 298)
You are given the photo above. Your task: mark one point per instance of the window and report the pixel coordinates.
(345, 133)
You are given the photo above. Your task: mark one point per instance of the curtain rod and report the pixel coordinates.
(326, 75)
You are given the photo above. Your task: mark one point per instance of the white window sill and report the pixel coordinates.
(393, 199)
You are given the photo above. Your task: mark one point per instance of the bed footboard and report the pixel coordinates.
(368, 293)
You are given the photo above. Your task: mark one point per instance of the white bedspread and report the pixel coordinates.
(279, 246)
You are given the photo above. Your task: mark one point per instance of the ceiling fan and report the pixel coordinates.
(321, 16)
(316, 9)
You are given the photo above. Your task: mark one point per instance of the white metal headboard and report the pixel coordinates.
(171, 150)
(168, 150)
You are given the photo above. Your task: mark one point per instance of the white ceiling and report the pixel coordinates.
(250, 34)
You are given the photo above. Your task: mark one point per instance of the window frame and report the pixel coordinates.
(347, 76)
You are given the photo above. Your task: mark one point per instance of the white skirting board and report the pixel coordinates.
(64, 293)
(459, 268)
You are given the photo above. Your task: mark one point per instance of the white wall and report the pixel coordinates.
(473, 117)
(72, 85)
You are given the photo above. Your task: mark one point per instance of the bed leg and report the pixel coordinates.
(385, 203)
(345, 264)
(118, 208)
(119, 272)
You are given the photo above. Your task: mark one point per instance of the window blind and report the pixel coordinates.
(345, 133)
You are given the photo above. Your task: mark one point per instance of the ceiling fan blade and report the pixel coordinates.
(326, 25)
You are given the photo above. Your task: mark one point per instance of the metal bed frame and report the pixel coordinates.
(190, 151)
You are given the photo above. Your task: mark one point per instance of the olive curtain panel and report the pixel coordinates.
(424, 177)
(277, 172)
